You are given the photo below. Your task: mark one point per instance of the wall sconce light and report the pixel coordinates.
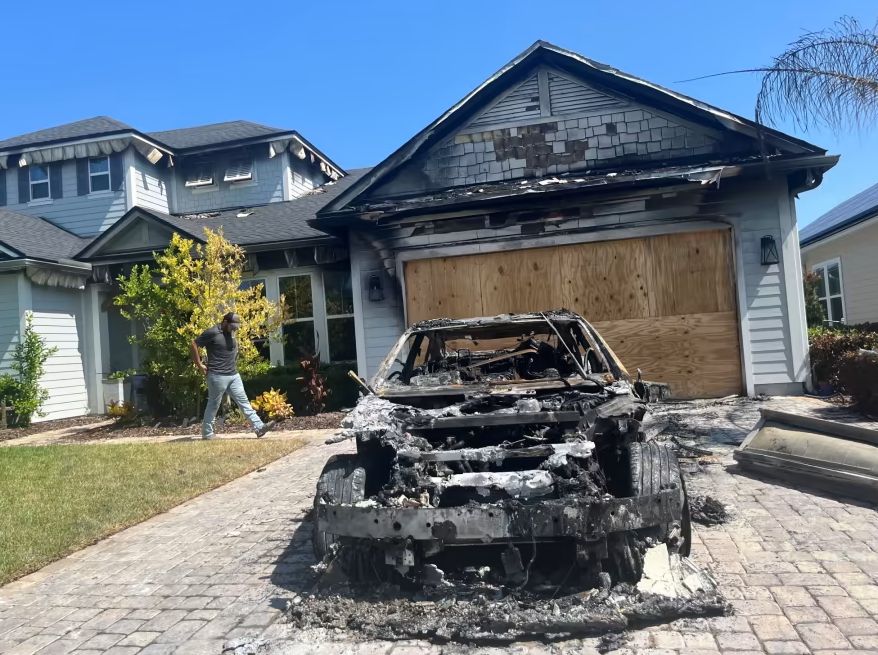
(769, 251)
(376, 292)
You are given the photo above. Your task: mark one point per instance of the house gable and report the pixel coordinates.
(553, 112)
(139, 232)
(554, 123)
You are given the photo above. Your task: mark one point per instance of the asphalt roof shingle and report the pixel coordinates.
(849, 212)
(276, 222)
(217, 133)
(37, 238)
(97, 126)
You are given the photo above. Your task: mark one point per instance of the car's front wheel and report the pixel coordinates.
(342, 481)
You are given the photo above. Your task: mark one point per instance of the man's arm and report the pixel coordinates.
(196, 356)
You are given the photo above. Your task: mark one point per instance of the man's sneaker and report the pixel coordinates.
(261, 432)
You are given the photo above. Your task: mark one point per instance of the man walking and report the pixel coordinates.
(222, 374)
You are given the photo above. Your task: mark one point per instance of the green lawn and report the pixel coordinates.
(57, 499)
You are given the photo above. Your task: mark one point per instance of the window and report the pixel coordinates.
(262, 345)
(239, 170)
(829, 291)
(200, 175)
(98, 174)
(39, 181)
(340, 315)
(298, 329)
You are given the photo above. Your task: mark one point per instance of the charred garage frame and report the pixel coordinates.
(563, 182)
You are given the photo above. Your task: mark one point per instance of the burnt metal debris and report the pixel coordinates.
(510, 449)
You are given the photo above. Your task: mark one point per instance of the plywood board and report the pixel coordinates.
(698, 355)
(665, 304)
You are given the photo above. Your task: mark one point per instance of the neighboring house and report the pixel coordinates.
(842, 248)
(557, 182)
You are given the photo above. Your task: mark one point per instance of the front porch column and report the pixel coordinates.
(96, 347)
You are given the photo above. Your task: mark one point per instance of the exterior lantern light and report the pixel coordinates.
(376, 292)
(769, 251)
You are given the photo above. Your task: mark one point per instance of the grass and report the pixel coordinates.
(55, 500)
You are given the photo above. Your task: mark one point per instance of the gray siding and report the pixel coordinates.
(58, 319)
(85, 215)
(268, 187)
(303, 178)
(766, 307)
(379, 324)
(151, 184)
(10, 319)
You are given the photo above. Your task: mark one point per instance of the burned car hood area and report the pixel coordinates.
(498, 446)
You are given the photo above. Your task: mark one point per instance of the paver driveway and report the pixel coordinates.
(801, 569)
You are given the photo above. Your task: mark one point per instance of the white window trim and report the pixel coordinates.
(332, 316)
(824, 265)
(201, 186)
(30, 188)
(108, 173)
(237, 184)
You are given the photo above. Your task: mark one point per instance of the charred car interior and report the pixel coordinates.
(507, 449)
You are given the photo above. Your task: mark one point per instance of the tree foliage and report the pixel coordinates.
(823, 78)
(187, 290)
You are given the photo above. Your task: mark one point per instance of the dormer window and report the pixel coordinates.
(98, 174)
(239, 170)
(200, 175)
(39, 181)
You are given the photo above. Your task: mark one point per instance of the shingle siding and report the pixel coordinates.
(268, 187)
(85, 216)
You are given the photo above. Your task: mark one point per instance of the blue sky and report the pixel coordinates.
(360, 78)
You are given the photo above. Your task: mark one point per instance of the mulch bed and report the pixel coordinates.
(47, 426)
(326, 421)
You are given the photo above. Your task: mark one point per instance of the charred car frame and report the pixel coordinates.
(487, 442)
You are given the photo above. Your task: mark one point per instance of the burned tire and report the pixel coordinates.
(342, 480)
(654, 467)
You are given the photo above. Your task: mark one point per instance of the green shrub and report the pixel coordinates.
(287, 379)
(829, 348)
(858, 377)
(23, 391)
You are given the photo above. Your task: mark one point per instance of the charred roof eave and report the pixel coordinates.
(513, 192)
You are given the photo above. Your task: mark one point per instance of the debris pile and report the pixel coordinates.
(478, 613)
(707, 510)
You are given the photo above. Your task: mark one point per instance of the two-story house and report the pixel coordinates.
(559, 181)
(83, 202)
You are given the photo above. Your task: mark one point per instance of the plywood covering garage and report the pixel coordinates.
(665, 304)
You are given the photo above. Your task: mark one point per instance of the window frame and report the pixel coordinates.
(243, 181)
(193, 178)
(827, 297)
(47, 182)
(108, 173)
(329, 316)
(315, 310)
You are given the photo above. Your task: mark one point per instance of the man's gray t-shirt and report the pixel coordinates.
(222, 351)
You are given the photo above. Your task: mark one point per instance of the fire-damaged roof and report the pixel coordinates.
(766, 141)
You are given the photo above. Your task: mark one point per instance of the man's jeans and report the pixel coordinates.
(217, 385)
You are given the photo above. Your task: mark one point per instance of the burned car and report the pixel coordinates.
(507, 448)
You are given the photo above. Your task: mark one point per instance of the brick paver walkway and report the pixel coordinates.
(800, 568)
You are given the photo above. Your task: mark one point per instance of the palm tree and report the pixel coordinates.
(826, 78)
